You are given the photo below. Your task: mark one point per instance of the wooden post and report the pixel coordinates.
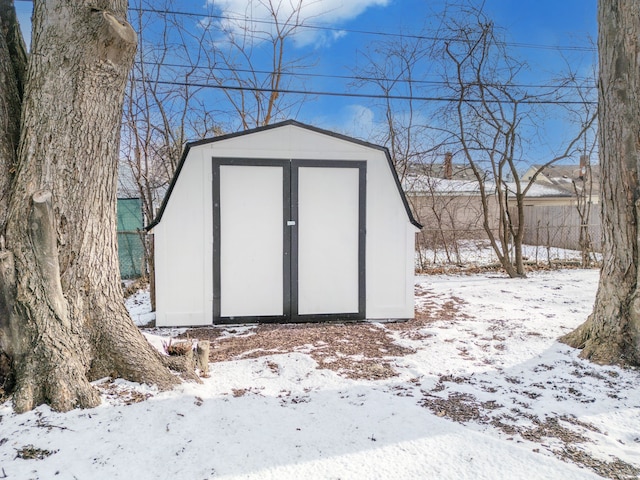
(202, 358)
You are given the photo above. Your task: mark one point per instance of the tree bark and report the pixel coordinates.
(611, 334)
(13, 62)
(71, 326)
(13, 65)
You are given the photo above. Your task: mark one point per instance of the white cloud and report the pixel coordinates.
(255, 16)
(355, 120)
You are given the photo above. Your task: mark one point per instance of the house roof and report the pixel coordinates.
(566, 176)
(541, 191)
(275, 126)
(417, 184)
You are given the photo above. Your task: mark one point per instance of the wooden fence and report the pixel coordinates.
(559, 226)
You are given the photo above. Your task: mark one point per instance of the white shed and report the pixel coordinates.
(283, 223)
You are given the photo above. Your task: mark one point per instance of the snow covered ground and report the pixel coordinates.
(477, 387)
(475, 253)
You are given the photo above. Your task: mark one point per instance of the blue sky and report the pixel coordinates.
(529, 26)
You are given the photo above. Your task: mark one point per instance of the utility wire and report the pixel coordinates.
(361, 32)
(579, 48)
(347, 77)
(530, 101)
(357, 78)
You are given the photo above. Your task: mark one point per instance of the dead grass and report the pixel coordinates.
(126, 396)
(134, 286)
(615, 470)
(355, 350)
(465, 408)
(29, 452)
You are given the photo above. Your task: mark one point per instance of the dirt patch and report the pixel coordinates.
(465, 408)
(616, 469)
(429, 309)
(459, 407)
(133, 287)
(29, 452)
(355, 350)
(550, 427)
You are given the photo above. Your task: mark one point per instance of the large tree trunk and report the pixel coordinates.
(69, 324)
(13, 66)
(611, 334)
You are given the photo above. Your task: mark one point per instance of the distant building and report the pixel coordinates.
(582, 179)
(446, 170)
(445, 196)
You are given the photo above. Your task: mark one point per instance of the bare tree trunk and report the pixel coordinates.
(69, 322)
(611, 334)
(13, 66)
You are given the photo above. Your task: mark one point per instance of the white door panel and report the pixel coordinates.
(328, 212)
(251, 240)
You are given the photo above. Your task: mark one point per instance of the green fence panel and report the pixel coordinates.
(130, 243)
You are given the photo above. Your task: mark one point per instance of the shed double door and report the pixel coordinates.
(289, 240)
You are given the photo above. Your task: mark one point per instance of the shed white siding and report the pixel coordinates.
(184, 235)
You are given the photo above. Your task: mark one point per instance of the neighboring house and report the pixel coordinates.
(445, 197)
(541, 195)
(452, 208)
(576, 180)
(563, 220)
(283, 223)
(446, 169)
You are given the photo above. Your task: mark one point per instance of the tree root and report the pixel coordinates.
(594, 347)
(64, 389)
(184, 365)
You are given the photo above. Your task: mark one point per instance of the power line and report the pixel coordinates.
(579, 48)
(530, 101)
(360, 32)
(434, 83)
(342, 77)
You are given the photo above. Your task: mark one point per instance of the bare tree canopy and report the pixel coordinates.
(486, 118)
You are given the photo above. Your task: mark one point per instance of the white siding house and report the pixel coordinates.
(283, 223)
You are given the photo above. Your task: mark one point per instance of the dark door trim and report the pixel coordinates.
(290, 239)
(362, 213)
(286, 267)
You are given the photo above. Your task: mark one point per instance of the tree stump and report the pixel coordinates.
(202, 358)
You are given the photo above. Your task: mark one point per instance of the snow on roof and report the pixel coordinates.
(416, 184)
(538, 190)
(569, 177)
(421, 184)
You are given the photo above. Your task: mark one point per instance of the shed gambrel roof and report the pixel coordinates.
(295, 123)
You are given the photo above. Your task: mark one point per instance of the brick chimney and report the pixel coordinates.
(448, 165)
